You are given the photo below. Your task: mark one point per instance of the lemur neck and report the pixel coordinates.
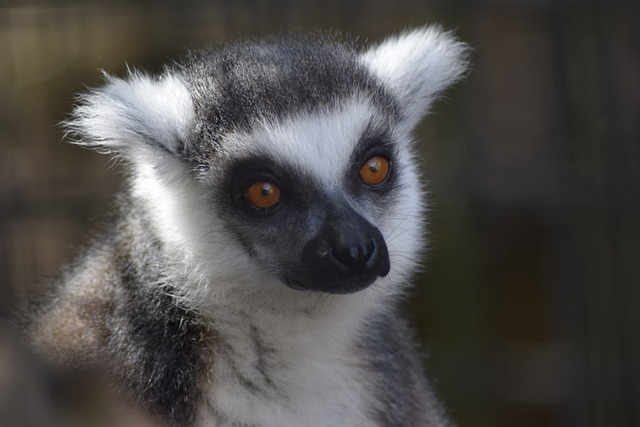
(285, 314)
(290, 366)
(286, 320)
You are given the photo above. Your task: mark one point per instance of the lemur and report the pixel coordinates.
(271, 220)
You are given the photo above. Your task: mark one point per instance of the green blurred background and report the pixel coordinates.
(528, 303)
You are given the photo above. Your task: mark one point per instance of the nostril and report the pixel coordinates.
(370, 257)
(355, 256)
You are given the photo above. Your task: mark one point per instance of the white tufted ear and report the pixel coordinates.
(135, 117)
(417, 65)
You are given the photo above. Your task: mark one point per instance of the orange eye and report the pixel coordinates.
(262, 194)
(375, 170)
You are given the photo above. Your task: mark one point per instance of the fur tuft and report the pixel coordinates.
(135, 116)
(417, 66)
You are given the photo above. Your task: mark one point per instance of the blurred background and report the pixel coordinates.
(528, 306)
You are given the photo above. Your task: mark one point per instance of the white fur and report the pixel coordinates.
(418, 65)
(314, 378)
(318, 143)
(135, 115)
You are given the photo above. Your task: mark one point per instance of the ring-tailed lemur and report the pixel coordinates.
(272, 219)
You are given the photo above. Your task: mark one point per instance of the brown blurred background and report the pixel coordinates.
(529, 302)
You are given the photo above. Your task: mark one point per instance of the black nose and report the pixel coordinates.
(354, 256)
(359, 255)
(346, 255)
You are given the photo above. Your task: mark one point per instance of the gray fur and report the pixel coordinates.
(273, 78)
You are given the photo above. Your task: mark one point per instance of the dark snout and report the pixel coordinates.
(345, 256)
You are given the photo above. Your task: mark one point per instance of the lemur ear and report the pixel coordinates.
(135, 117)
(417, 66)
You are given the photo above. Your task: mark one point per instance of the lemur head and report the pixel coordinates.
(286, 161)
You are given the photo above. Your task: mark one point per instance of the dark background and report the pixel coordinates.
(528, 302)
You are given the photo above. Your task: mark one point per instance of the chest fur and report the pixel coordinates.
(297, 374)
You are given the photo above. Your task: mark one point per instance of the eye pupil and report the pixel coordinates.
(262, 194)
(375, 170)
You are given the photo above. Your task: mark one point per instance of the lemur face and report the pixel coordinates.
(307, 137)
(308, 197)
(288, 159)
